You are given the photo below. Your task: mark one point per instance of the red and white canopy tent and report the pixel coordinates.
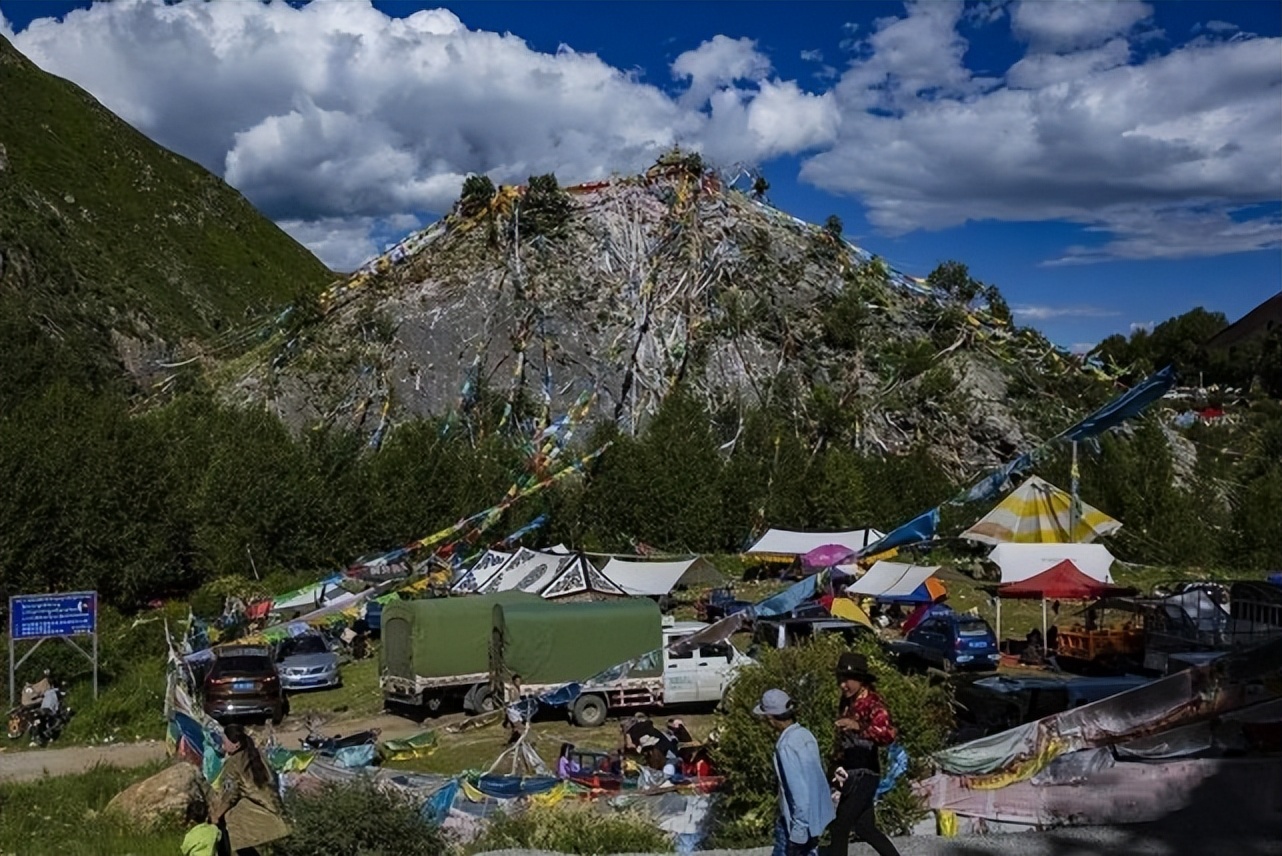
(1063, 581)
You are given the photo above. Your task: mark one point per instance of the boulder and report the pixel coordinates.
(167, 792)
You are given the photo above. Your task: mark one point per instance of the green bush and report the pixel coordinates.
(744, 814)
(356, 819)
(576, 828)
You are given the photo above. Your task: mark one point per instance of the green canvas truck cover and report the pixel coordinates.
(445, 636)
(575, 641)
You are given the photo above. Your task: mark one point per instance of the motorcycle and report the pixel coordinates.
(47, 727)
(20, 719)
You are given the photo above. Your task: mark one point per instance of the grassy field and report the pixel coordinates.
(359, 696)
(64, 815)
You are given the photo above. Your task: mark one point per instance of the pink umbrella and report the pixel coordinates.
(826, 556)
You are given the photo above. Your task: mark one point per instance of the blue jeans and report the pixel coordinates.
(785, 847)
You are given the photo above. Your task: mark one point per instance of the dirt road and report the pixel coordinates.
(29, 764)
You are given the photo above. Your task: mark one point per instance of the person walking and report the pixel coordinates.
(805, 808)
(863, 727)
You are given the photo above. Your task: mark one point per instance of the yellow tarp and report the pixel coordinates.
(844, 607)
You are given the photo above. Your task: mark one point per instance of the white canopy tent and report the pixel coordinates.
(1020, 561)
(782, 543)
(659, 578)
(891, 580)
(529, 570)
(578, 576)
(481, 571)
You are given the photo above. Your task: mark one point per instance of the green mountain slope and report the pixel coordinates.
(113, 249)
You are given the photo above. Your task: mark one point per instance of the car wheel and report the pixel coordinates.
(589, 711)
(278, 715)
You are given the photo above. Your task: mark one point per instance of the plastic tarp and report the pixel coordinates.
(586, 638)
(444, 636)
(529, 571)
(1037, 512)
(659, 578)
(916, 531)
(844, 607)
(1021, 561)
(891, 580)
(784, 543)
(577, 577)
(1063, 581)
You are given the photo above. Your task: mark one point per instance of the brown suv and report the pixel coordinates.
(242, 681)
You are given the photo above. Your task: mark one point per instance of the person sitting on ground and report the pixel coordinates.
(565, 765)
(678, 731)
(202, 837)
(640, 726)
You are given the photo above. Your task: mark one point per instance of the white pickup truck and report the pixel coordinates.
(699, 676)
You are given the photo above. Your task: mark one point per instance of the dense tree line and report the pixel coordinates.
(1254, 365)
(155, 504)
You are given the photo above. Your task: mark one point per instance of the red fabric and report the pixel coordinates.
(915, 618)
(870, 712)
(826, 602)
(1060, 582)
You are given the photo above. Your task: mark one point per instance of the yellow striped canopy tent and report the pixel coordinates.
(1037, 512)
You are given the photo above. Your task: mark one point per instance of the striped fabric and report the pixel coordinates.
(1037, 512)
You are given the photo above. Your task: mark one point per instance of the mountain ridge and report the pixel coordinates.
(535, 296)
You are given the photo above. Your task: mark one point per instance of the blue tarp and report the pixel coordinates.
(920, 528)
(437, 806)
(788, 599)
(511, 787)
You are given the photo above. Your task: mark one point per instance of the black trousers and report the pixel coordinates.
(855, 812)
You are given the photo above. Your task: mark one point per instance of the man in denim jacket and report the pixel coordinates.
(805, 803)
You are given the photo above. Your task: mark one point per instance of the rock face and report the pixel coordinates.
(636, 285)
(167, 792)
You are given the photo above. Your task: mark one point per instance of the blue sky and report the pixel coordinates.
(1107, 164)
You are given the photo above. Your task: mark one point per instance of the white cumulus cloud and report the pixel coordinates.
(1073, 24)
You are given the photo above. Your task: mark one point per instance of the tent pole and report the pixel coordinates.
(1075, 502)
(999, 622)
(1043, 622)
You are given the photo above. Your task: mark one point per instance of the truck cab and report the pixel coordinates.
(699, 675)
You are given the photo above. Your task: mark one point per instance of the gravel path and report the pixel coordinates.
(30, 764)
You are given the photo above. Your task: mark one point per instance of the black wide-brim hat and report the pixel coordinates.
(854, 665)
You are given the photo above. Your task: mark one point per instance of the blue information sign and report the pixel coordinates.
(37, 616)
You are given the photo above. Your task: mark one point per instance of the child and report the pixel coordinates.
(202, 836)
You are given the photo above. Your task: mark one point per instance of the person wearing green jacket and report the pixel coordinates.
(202, 836)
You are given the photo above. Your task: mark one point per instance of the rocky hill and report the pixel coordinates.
(530, 297)
(114, 250)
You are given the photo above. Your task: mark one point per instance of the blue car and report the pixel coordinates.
(950, 641)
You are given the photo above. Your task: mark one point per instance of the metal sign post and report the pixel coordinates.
(52, 616)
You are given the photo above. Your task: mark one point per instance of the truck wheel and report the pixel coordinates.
(485, 701)
(433, 704)
(589, 711)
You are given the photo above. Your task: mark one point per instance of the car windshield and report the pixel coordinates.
(302, 645)
(972, 628)
(241, 665)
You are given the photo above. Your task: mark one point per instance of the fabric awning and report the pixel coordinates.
(1061, 582)
(789, 545)
(1037, 512)
(890, 580)
(1021, 561)
(659, 578)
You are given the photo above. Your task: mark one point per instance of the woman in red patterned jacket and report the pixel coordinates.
(863, 728)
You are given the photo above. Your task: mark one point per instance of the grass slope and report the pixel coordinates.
(102, 230)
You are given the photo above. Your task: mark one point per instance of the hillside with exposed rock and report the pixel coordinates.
(527, 298)
(115, 251)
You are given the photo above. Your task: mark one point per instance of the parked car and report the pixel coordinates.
(787, 632)
(307, 663)
(948, 641)
(243, 682)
